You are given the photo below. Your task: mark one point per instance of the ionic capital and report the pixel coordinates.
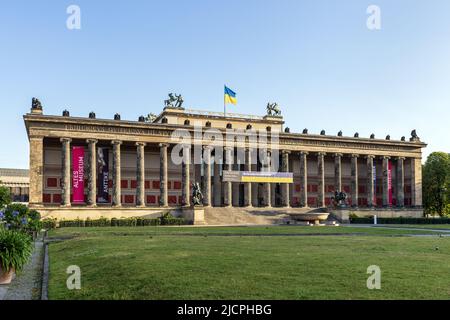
(304, 153)
(116, 142)
(65, 139)
(141, 144)
(91, 141)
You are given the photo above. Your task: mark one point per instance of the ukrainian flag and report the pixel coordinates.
(230, 96)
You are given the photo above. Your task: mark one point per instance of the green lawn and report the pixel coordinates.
(424, 226)
(289, 262)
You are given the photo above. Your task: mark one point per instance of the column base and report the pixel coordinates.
(93, 205)
(65, 205)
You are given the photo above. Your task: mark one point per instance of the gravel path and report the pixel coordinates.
(27, 284)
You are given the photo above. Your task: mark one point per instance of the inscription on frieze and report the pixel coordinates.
(124, 130)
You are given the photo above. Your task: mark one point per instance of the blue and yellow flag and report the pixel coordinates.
(230, 96)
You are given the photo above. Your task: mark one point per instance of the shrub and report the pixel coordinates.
(5, 197)
(18, 217)
(166, 219)
(15, 249)
(49, 223)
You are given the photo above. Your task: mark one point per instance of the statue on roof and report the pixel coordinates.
(273, 109)
(151, 117)
(414, 136)
(36, 104)
(174, 101)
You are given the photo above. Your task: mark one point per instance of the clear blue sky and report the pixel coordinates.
(317, 59)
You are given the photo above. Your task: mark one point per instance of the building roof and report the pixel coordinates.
(14, 177)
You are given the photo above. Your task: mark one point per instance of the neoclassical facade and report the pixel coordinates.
(89, 167)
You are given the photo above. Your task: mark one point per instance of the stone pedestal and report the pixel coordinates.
(194, 214)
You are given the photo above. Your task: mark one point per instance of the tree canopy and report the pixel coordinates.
(436, 184)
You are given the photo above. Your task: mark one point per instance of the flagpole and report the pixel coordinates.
(224, 103)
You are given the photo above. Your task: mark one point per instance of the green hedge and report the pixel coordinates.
(49, 223)
(123, 222)
(400, 220)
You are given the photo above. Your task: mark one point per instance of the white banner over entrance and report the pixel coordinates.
(257, 176)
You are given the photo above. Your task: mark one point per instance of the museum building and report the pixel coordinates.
(90, 167)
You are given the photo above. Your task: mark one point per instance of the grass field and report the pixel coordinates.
(424, 226)
(289, 262)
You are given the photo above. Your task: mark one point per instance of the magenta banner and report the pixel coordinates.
(78, 174)
(390, 182)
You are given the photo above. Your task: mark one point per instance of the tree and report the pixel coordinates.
(5, 197)
(436, 183)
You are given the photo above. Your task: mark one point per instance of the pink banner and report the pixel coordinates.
(390, 182)
(78, 174)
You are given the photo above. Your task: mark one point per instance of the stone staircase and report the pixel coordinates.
(253, 216)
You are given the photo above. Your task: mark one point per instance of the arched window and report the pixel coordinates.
(164, 120)
(269, 129)
(187, 122)
(229, 126)
(208, 124)
(249, 127)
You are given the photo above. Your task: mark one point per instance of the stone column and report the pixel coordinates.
(66, 172)
(285, 193)
(217, 184)
(268, 185)
(228, 198)
(400, 188)
(416, 182)
(163, 176)
(248, 185)
(386, 181)
(303, 178)
(185, 176)
(207, 182)
(116, 168)
(92, 175)
(338, 172)
(140, 174)
(370, 182)
(354, 180)
(36, 170)
(321, 175)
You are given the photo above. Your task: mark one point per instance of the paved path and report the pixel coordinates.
(27, 284)
(387, 226)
